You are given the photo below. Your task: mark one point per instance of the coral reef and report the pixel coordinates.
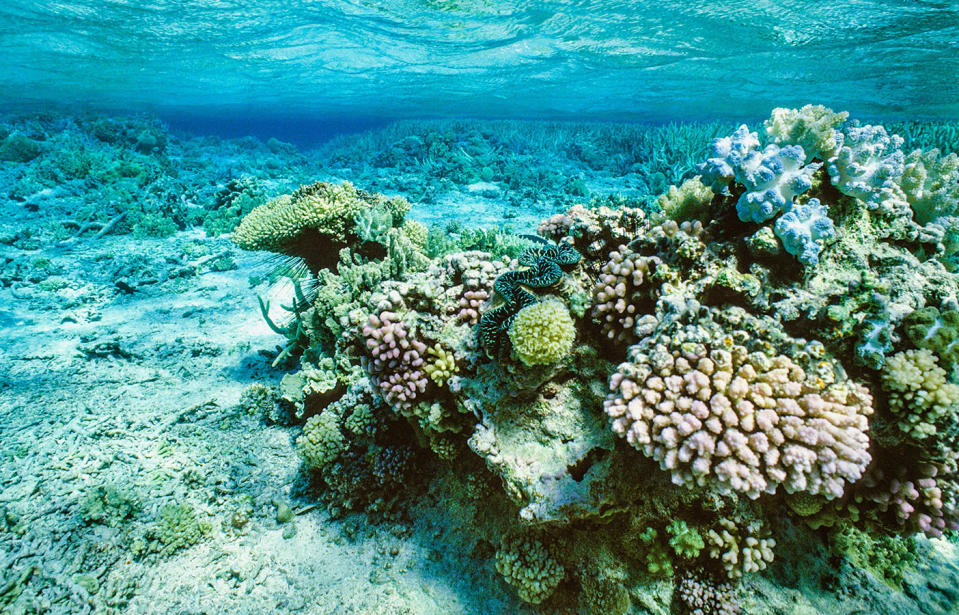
(772, 352)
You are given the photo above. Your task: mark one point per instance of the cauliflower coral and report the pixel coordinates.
(714, 414)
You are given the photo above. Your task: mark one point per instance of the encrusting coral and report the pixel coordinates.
(656, 389)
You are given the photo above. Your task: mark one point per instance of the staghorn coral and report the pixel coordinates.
(712, 413)
(526, 563)
(542, 333)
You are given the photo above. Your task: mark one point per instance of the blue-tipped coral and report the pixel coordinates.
(803, 229)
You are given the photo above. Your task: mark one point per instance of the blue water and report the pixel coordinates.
(232, 383)
(583, 60)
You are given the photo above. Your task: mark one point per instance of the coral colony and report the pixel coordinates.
(649, 392)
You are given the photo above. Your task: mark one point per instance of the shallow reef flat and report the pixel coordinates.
(682, 369)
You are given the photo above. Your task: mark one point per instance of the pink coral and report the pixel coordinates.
(469, 278)
(701, 595)
(714, 414)
(620, 293)
(595, 231)
(469, 305)
(396, 360)
(922, 499)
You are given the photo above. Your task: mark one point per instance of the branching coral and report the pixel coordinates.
(751, 333)
(699, 594)
(742, 548)
(621, 293)
(321, 441)
(442, 367)
(919, 394)
(396, 361)
(712, 413)
(594, 232)
(526, 564)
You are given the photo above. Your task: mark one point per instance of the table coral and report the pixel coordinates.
(314, 222)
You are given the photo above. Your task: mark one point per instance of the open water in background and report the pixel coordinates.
(300, 68)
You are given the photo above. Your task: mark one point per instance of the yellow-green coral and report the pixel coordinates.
(417, 233)
(321, 441)
(804, 504)
(919, 394)
(443, 365)
(686, 541)
(317, 217)
(542, 333)
(813, 127)
(527, 565)
(690, 201)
